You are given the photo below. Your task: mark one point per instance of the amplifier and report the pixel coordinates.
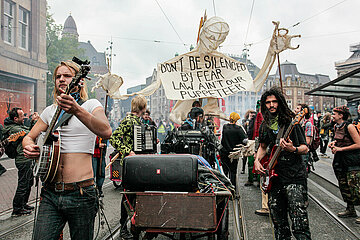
(165, 172)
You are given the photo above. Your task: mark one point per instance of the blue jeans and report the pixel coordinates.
(99, 178)
(57, 208)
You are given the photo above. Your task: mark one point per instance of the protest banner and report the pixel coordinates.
(200, 75)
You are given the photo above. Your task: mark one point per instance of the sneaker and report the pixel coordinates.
(125, 234)
(2, 171)
(20, 212)
(248, 183)
(347, 214)
(262, 212)
(28, 207)
(357, 221)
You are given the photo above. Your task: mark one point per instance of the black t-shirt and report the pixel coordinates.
(290, 166)
(232, 135)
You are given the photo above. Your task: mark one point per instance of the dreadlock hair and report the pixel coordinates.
(283, 111)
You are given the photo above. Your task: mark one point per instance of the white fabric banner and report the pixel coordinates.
(199, 75)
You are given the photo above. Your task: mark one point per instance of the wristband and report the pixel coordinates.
(296, 150)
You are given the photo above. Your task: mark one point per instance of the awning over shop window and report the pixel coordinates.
(346, 87)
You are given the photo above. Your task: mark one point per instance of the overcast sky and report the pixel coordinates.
(143, 36)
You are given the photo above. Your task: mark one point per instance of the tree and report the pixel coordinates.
(57, 49)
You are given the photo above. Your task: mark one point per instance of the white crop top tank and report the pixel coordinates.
(75, 136)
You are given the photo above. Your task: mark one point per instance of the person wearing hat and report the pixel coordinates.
(346, 164)
(232, 135)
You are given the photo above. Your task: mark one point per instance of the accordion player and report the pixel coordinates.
(145, 139)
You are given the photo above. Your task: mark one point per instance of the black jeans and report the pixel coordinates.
(76, 208)
(323, 144)
(25, 182)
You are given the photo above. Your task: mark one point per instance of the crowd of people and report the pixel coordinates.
(81, 172)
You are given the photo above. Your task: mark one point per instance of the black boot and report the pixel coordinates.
(349, 212)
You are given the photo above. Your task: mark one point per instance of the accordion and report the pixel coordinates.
(145, 139)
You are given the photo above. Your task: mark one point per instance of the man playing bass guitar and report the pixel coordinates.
(71, 197)
(288, 192)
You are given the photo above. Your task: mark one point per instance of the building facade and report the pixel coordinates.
(351, 63)
(295, 84)
(23, 64)
(345, 66)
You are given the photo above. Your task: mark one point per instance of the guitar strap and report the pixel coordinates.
(279, 135)
(64, 120)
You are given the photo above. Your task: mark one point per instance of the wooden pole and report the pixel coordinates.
(281, 85)
(100, 139)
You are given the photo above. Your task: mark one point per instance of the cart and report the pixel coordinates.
(188, 215)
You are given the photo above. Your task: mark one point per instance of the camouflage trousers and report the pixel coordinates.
(349, 185)
(292, 200)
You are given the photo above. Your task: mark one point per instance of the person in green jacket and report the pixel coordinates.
(13, 124)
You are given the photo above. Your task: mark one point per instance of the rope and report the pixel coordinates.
(247, 31)
(131, 207)
(214, 7)
(306, 19)
(171, 24)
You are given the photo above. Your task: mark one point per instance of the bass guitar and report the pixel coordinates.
(269, 163)
(49, 142)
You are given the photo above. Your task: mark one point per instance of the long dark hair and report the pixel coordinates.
(284, 112)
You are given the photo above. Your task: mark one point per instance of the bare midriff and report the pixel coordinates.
(74, 167)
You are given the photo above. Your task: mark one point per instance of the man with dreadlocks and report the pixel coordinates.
(288, 194)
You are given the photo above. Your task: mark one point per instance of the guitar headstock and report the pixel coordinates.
(15, 136)
(299, 116)
(83, 72)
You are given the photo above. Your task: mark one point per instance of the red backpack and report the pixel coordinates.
(315, 140)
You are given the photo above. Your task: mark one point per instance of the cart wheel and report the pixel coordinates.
(117, 184)
(223, 231)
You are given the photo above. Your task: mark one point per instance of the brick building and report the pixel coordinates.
(23, 64)
(296, 84)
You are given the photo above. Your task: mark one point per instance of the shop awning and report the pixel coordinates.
(346, 87)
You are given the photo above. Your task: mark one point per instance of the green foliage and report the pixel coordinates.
(58, 49)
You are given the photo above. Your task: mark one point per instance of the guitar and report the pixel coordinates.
(49, 142)
(12, 138)
(269, 165)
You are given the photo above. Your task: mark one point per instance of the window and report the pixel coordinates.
(23, 28)
(288, 92)
(289, 103)
(9, 22)
(299, 92)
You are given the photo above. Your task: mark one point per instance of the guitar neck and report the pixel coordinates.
(4, 142)
(52, 124)
(279, 149)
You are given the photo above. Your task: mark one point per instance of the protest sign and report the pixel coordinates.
(199, 75)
